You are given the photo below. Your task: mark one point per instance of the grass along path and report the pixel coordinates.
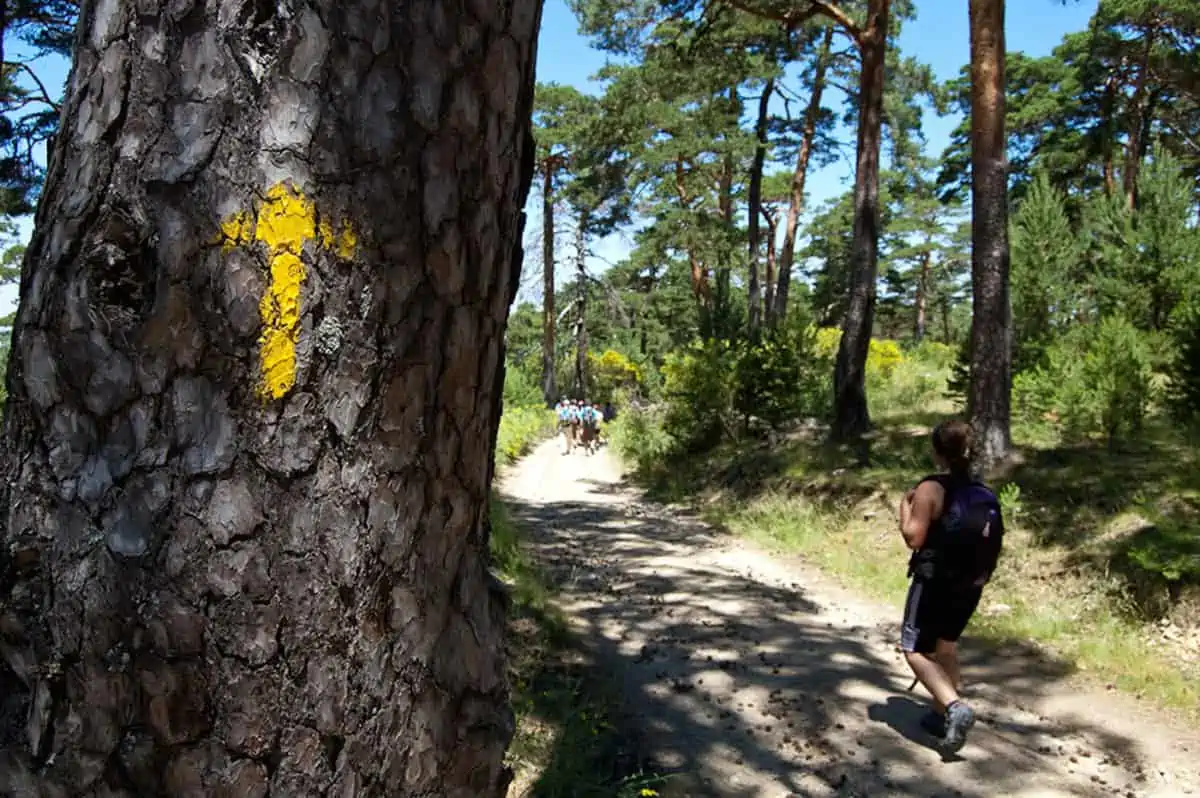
(569, 741)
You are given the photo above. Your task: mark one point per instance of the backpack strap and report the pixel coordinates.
(923, 562)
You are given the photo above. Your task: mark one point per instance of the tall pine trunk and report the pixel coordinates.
(922, 299)
(549, 389)
(581, 335)
(851, 416)
(253, 394)
(754, 202)
(944, 303)
(720, 319)
(991, 323)
(1137, 114)
(769, 278)
(1108, 129)
(808, 135)
(721, 306)
(700, 284)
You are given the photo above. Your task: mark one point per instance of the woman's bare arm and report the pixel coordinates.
(919, 512)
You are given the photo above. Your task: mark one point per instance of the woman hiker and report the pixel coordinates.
(954, 527)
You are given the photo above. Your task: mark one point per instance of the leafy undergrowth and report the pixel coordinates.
(569, 738)
(520, 429)
(1101, 557)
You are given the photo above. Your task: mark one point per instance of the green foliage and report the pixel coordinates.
(29, 104)
(12, 252)
(523, 358)
(1045, 279)
(1168, 549)
(640, 438)
(700, 390)
(1184, 367)
(935, 354)
(959, 382)
(521, 389)
(520, 429)
(1010, 501)
(913, 382)
(1147, 260)
(1097, 380)
(4, 352)
(778, 378)
(1070, 112)
(713, 389)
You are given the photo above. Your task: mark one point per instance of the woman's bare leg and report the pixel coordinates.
(930, 673)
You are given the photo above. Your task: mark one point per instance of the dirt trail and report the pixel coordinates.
(749, 675)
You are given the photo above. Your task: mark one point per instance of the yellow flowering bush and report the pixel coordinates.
(610, 372)
(883, 356)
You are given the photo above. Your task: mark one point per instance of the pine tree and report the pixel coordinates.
(253, 399)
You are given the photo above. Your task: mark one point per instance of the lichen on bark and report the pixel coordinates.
(208, 588)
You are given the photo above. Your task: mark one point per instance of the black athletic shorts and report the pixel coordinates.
(936, 611)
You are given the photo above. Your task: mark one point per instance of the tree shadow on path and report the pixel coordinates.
(741, 683)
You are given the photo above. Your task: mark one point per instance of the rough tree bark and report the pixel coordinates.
(922, 298)
(851, 417)
(944, 303)
(1137, 112)
(719, 319)
(253, 394)
(581, 336)
(755, 205)
(787, 252)
(700, 283)
(770, 217)
(991, 323)
(549, 388)
(1108, 133)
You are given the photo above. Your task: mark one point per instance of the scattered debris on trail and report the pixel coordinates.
(753, 676)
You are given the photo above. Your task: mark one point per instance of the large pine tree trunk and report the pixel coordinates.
(944, 303)
(991, 323)
(549, 389)
(724, 272)
(581, 335)
(791, 230)
(922, 299)
(769, 279)
(700, 283)
(1108, 128)
(851, 417)
(1137, 113)
(253, 394)
(754, 202)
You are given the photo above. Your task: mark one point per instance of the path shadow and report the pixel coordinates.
(724, 674)
(903, 715)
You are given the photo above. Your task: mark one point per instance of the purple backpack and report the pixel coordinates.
(964, 544)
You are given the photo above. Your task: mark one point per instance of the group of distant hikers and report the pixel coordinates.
(581, 423)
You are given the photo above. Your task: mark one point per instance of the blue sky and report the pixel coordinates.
(937, 37)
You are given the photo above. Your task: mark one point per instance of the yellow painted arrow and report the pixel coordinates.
(284, 222)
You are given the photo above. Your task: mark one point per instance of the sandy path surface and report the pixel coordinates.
(750, 675)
